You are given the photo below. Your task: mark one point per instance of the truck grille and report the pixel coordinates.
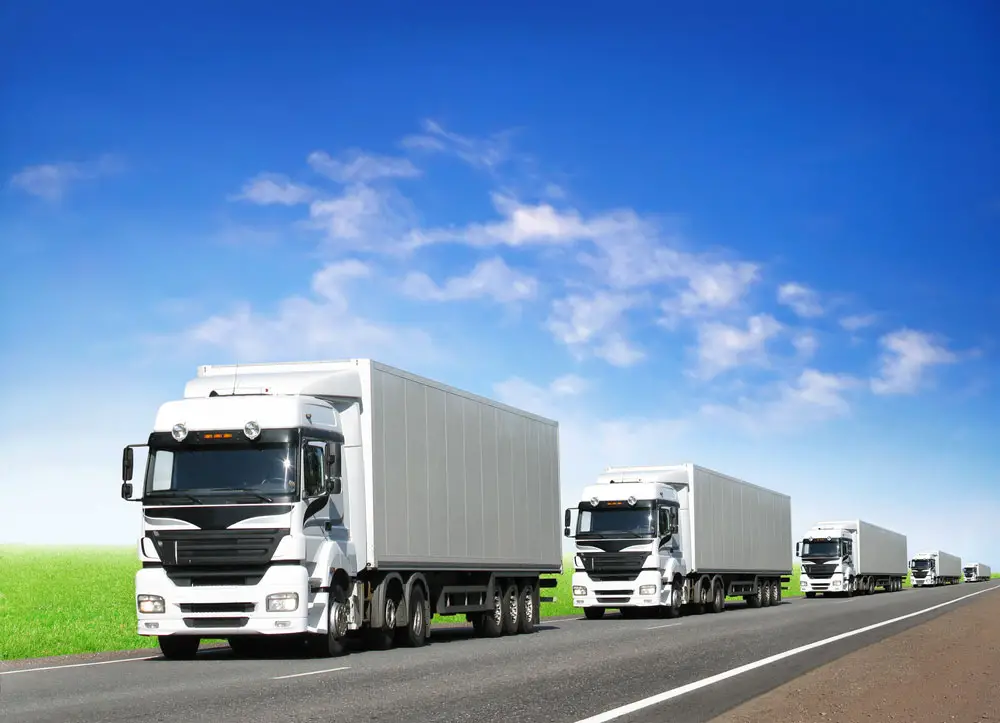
(919, 574)
(614, 563)
(819, 572)
(213, 548)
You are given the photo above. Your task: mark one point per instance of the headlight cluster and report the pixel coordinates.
(150, 604)
(579, 590)
(282, 602)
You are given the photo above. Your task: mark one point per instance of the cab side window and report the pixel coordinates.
(313, 476)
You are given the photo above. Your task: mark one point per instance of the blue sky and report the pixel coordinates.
(761, 241)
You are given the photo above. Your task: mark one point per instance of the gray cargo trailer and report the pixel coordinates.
(398, 498)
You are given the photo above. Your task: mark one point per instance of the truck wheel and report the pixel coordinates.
(810, 595)
(332, 643)
(511, 610)
(755, 600)
(414, 635)
(764, 593)
(244, 646)
(384, 637)
(676, 590)
(179, 647)
(718, 597)
(526, 609)
(593, 613)
(489, 624)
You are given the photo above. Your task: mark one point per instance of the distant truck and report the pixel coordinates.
(849, 557)
(664, 538)
(318, 501)
(977, 572)
(930, 569)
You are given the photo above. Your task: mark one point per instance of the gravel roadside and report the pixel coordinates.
(944, 670)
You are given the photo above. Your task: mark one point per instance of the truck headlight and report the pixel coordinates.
(647, 589)
(579, 590)
(150, 604)
(282, 602)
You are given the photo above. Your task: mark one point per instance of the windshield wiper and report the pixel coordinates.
(190, 497)
(258, 495)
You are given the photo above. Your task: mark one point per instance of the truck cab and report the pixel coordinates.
(627, 544)
(827, 560)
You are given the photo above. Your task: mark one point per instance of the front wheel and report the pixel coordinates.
(332, 643)
(593, 613)
(179, 647)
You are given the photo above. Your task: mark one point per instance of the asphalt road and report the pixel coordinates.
(570, 670)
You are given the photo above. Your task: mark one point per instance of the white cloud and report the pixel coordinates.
(712, 287)
(857, 322)
(267, 189)
(361, 167)
(593, 323)
(51, 181)
(800, 299)
(366, 217)
(722, 347)
(805, 344)
(812, 397)
(320, 327)
(486, 153)
(906, 355)
(492, 279)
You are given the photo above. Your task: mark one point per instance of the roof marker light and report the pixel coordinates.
(251, 429)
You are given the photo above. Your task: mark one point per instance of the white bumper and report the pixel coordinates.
(829, 584)
(236, 610)
(647, 590)
(924, 582)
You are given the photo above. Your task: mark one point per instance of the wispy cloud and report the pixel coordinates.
(857, 322)
(358, 167)
(485, 153)
(800, 299)
(492, 279)
(722, 347)
(51, 181)
(267, 189)
(907, 355)
(593, 324)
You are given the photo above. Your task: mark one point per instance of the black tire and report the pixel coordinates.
(673, 610)
(511, 610)
(593, 613)
(332, 643)
(179, 647)
(810, 595)
(630, 613)
(718, 597)
(765, 593)
(384, 637)
(490, 623)
(755, 599)
(244, 646)
(526, 608)
(415, 633)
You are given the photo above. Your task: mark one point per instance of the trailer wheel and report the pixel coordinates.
(871, 585)
(718, 597)
(511, 618)
(179, 647)
(765, 593)
(526, 608)
(593, 613)
(754, 600)
(489, 624)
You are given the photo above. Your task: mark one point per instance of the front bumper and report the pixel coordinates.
(224, 611)
(830, 584)
(619, 594)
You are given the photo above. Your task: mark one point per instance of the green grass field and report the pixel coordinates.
(92, 610)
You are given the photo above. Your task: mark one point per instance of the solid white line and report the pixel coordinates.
(311, 672)
(72, 665)
(668, 625)
(732, 673)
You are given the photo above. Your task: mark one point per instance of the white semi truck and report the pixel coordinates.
(847, 557)
(977, 572)
(320, 501)
(664, 538)
(930, 569)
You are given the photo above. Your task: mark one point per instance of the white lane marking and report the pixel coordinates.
(732, 673)
(311, 672)
(668, 625)
(72, 665)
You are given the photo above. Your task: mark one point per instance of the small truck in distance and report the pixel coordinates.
(662, 538)
(848, 557)
(930, 569)
(977, 572)
(321, 501)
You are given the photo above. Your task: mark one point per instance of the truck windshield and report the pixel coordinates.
(608, 523)
(259, 470)
(821, 548)
(922, 564)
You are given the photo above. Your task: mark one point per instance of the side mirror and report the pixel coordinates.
(127, 462)
(127, 491)
(333, 485)
(798, 549)
(566, 519)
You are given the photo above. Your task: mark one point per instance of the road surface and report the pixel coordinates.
(570, 670)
